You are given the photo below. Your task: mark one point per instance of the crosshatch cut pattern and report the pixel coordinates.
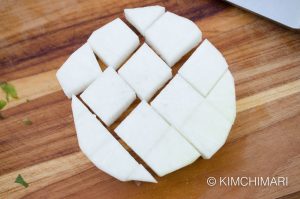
(191, 117)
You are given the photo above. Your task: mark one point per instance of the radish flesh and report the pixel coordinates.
(114, 42)
(145, 72)
(79, 71)
(103, 149)
(141, 18)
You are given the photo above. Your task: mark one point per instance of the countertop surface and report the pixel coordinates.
(38, 36)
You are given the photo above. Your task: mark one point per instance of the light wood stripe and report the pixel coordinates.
(43, 174)
(268, 95)
(33, 87)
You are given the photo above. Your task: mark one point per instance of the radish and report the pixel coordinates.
(172, 36)
(206, 129)
(113, 43)
(222, 96)
(142, 18)
(145, 72)
(177, 101)
(155, 141)
(108, 96)
(80, 69)
(103, 149)
(204, 68)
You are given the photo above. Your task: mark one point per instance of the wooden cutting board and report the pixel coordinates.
(38, 36)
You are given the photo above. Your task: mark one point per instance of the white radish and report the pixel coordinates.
(80, 69)
(204, 68)
(141, 18)
(155, 141)
(108, 96)
(113, 43)
(177, 101)
(103, 149)
(222, 96)
(145, 72)
(207, 129)
(172, 36)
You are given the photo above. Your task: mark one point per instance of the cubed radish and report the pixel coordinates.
(207, 129)
(177, 101)
(204, 68)
(222, 96)
(108, 96)
(80, 69)
(113, 43)
(141, 18)
(155, 141)
(103, 149)
(145, 72)
(172, 36)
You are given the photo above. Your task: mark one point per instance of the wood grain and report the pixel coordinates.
(38, 36)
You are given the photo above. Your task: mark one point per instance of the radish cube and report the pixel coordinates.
(206, 129)
(142, 129)
(172, 36)
(142, 18)
(204, 68)
(103, 149)
(177, 101)
(222, 96)
(171, 153)
(145, 72)
(108, 96)
(80, 69)
(155, 141)
(114, 43)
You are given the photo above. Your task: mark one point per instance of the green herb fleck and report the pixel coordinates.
(21, 181)
(27, 121)
(9, 90)
(2, 104)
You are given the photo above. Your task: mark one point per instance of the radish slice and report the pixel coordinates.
(108, 96)
(141, 18)
(223, 96)
(114, 43)
(145, 72)
(204, 68)
(80, 69)
(172, 36)
(103, 149)
(171, 153)
(206, 129)
(177, 101)
(155, 141)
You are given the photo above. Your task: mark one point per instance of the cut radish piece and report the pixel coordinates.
(141, 174)
(204, 68)
(155, 141)
(177, 101)
(172, 36)
(145, 72)
(171, 153)
(223, 96)
(80, 69)
(108, 96)
(114, 42)
(142, 129)
(206, 129)
(141, 18)
(103, 149)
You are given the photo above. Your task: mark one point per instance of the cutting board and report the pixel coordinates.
(38, 36)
